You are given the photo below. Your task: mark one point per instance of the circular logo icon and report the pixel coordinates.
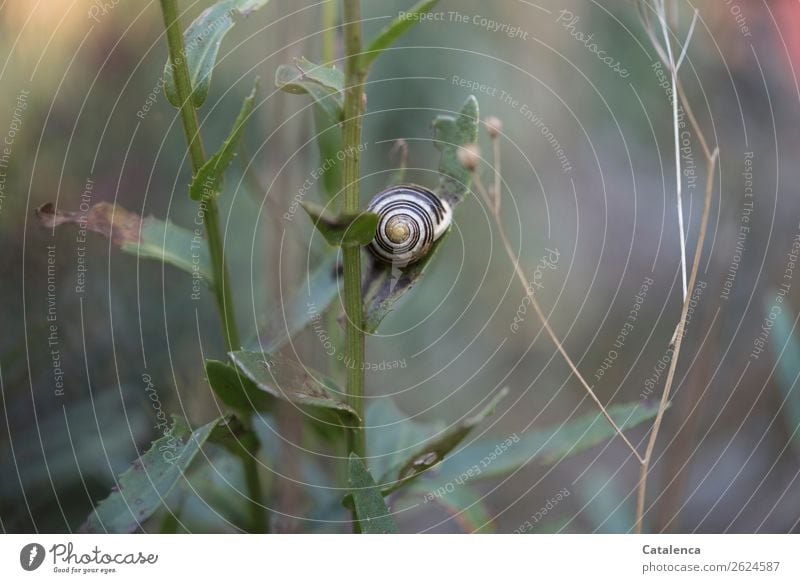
(31, 556)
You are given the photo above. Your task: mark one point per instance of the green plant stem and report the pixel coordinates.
(253, 482)
(328, 21)
(351, 133)
(329, 14)
(222, 289)
(191, 128)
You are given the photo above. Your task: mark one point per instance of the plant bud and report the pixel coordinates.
(469, 156)
(493, 126)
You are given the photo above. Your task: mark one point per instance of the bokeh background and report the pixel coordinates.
(729, 455)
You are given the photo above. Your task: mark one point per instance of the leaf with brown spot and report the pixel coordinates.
(147, 238)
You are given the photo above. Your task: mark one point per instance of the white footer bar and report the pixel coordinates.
(404, 558)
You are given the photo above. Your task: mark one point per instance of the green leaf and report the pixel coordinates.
(397, 28)
(214, 497)
(392, 436)
(437, 448)
(386, 284)
(305, 306)
(208, 180)
(492, 457)
(373, 515)
(325, 85)
(202, 41)
(280, 379)
(451, 134)
(787, 353)
(329, 144)
(344, 228)
(305, 75)
(141, 489)
(236, 390)
(147, 238)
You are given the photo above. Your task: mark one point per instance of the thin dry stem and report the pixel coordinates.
(493, 203)
(673, 69)
(711, 162)
(645, 467)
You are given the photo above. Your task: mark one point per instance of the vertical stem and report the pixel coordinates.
(222, 290)
(353, 109)
(180, 72)
(329, 17)
(673, 68)
(329, 14)
(644, 469)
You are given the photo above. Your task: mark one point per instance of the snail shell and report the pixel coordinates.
(412, 218)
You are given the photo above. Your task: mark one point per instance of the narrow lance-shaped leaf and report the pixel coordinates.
(142, 488)
(325, 85)
(147, 238)
(371, 510)
(496, 457)
(436, 449)
(386, 284)
(397, 28)
(344, 228)
(208, 180)
(282, 379)
(202, 40)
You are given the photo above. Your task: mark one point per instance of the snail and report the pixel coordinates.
(412, 219)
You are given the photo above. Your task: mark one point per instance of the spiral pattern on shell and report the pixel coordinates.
(412, 218)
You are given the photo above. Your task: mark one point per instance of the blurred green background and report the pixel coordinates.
(728, 455)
